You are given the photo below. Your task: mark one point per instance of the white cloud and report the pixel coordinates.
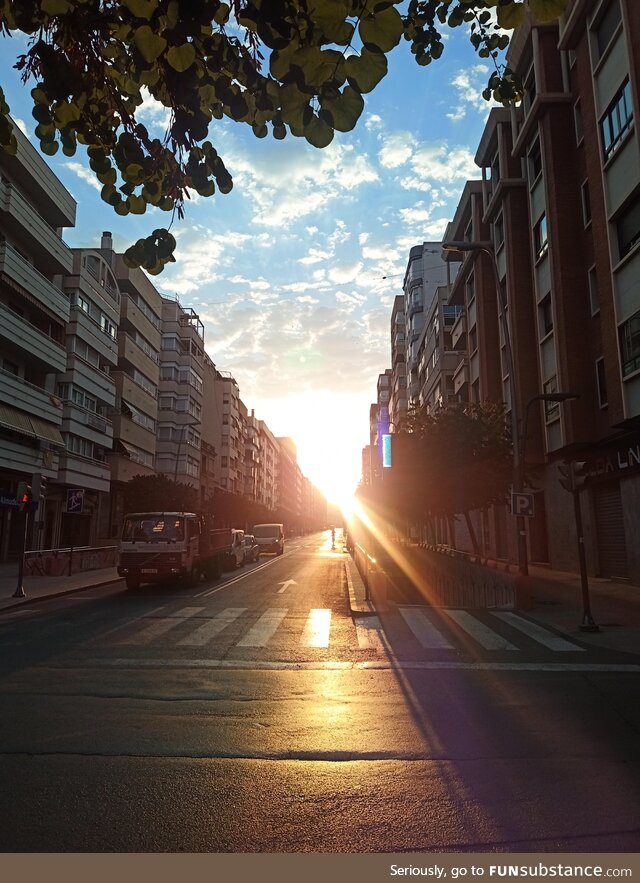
(341, 273)
(469, 84)
(84, 174)
(397, 149)
(315, 256)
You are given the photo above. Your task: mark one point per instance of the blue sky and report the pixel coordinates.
(286, 270)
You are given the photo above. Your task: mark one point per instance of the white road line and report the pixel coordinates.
(264, 629)
(316, 630)
(213, 627)
(379, 665)
(161, 626)
(480, 632)
(368, 633)
(424, 630)
(538, 634)
(129, 622)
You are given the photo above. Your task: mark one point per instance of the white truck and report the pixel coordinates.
(269, 537)
(173, 546)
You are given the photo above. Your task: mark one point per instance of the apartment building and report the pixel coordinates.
(269, 454)
(289, 495)
(34, 312)
(560, 202)
(135, 418)
(180, 393)
(398, 394)
(252, 461)
(88, 394)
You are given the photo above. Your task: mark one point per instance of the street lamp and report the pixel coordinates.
(488, 249)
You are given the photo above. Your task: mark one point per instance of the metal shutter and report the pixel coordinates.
(612, 548)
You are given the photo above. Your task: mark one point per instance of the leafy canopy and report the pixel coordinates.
(299, 67)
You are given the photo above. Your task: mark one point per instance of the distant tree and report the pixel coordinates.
(302, 67)
(158, 493)
(451, 461)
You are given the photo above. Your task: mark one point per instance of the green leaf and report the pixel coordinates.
(56, 7)
(293, 105)
(318, 132)
(181, 57)
(382, 30)
(141, 8)
(511, 16)
(366, 70)
(50, 148)
(148, 44)
(547, 10)
(222, 15)
(344, 111)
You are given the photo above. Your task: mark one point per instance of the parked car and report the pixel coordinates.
(236, 557)
(251, 549)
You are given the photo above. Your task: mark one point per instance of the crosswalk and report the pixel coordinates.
(410, 629)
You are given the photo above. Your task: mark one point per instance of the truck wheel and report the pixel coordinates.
(132, 582)
(193, 577)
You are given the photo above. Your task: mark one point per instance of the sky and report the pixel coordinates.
(287, 272)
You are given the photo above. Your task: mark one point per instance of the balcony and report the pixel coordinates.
(458, 331)
(90, 331)
(51, 355)
(77, 471)
(27, 397)
(130, 351)
(27, 225)
(17, 271)
(94, 381)
(138, 318)
(87, 424)
(34, 176)
(461, 376)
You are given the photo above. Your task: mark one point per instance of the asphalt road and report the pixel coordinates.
(254, 714)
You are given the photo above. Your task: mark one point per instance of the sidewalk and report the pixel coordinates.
(38, 588)
(557, 604)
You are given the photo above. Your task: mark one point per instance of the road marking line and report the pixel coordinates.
(480, 632)
(538, 634)
(264, 629)
(424, 630)
(368, 634)
(213, 627)
(377, 665)
(316, 630)
(161, 626)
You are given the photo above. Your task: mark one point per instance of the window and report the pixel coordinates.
(546, 316)
(470, 289)
(540, 240)
(530, 90)
(607, 27)
(630, 345)
(601, 380)
(535, 161)
(586, 203)
(473, 339)
(107, 326)
(628, 228)
(83, 304)
(617, 120)
(498, 232)
(81, 446)
(594, 295)
(551, 409)
(170, 342)
(577, 119)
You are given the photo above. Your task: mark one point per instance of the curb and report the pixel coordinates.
(21, 602)
(358, 607)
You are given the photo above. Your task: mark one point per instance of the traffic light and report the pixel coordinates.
(566, 476)
(580, 474)
(23, 494)
(43, 486)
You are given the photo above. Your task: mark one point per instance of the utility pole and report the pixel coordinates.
(572, 478)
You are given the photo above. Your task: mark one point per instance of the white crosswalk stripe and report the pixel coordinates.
(161, 626)
(480, 632)
(428, 636)
(368, 633)
(264, 629)
(433, 630)
(212, 627)
(538, 633)
(317, 628)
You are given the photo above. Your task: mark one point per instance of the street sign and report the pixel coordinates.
(522, 504)
(75, 501)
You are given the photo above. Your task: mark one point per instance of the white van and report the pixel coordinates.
(269, 537)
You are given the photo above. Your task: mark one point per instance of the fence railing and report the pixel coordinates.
(64, 562)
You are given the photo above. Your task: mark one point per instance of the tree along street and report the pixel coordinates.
(236, 717)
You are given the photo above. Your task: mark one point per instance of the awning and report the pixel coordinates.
(16, 420)
(121, 447)
(47, 432)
